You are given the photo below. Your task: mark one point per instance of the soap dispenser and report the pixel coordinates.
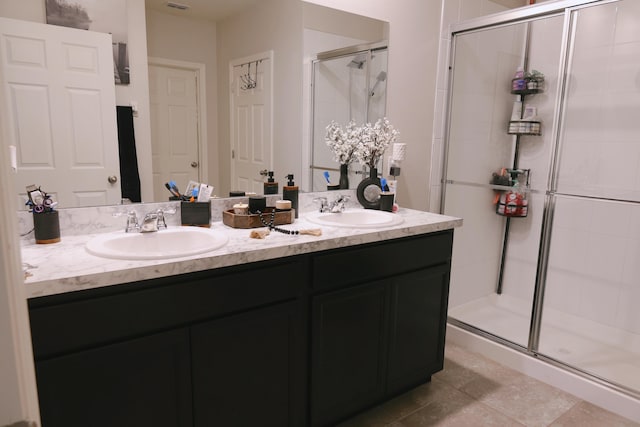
(290, 192)
(271, 186)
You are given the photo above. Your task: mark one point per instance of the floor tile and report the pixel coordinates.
(462, 368)
(402, 405)
(530, 402)
(475, 391)
(585, 414)
(457, 410)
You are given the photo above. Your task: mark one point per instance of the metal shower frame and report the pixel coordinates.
(525, 15)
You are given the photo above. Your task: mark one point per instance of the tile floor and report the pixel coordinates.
(477, 392)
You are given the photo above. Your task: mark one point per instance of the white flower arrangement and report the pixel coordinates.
(342, 142)
(365, 143)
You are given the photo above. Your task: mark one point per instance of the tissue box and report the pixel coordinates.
(196, 213)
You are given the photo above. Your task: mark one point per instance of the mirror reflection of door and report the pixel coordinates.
(251, 122)
(173, 96)
(61, 98)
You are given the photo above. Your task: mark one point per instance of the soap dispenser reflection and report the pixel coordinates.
(290, 192)
(271, 186)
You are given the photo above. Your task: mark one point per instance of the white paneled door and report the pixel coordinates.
(251, 122)
(174, 127)
(60, 107)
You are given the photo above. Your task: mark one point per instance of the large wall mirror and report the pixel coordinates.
(272, 41)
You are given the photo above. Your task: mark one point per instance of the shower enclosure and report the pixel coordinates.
(561, 283)
(348, 84)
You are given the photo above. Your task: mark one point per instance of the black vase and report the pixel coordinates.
(369, 190)
(344, 177)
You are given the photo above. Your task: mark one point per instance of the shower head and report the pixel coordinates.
(382, 76)
(356, 64)
(358, 61)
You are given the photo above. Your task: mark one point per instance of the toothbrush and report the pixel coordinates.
(166, 184)
(174, 187)
(194, 195)
(326, 176)
(383, 184)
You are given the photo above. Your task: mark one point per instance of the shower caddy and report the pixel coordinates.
(513, 203)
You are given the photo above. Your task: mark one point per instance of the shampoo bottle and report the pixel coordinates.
(271, 186)
(290, 192)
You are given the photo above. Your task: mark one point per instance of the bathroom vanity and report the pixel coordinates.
(294, 331)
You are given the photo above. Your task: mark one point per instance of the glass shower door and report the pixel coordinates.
(495, 258)
(590, 318)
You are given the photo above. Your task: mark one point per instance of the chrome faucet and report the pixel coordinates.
(153, 221)
(334, 207)
(338, 205)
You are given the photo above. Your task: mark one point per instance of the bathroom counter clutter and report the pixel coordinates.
(67, 266)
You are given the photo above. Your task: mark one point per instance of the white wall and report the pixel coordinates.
(192, 40)
(414, 29)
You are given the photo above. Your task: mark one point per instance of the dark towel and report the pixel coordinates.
(129, 175)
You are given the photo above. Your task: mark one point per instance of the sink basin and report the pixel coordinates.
(355, 218)
(169, 243)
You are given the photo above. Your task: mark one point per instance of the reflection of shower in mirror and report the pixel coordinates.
(358, 61)
(382, 76)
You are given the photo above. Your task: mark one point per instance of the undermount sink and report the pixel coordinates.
(355, 218)
(172, 242)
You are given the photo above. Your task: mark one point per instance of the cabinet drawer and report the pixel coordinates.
(68, 326)
(344, 267)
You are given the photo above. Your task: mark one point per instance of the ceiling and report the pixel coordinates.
(210, 10)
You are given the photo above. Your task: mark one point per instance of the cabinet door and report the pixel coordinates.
(418, 322)
(348, 351)
(141, 382)
(248, 370)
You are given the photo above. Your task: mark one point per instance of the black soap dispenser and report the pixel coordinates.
(290, 192)
(271, 186)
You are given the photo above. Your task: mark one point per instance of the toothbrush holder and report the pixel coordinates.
(196, 213)
(46, 227)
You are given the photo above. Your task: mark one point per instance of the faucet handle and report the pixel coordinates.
(132, 222)
(323, 202)
(160, 216)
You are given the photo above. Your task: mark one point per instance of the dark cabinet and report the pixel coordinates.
(139, 382)
(348, 351)
(417, 327)
(304, 340)
(224, 347)
(248, 369)
(373, 339)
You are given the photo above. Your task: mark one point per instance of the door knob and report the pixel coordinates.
(112, 179)
(264, 172)
(194, 164)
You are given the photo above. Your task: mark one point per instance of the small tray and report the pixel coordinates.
(234, 220)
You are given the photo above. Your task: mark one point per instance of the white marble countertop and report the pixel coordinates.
(66, 266)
